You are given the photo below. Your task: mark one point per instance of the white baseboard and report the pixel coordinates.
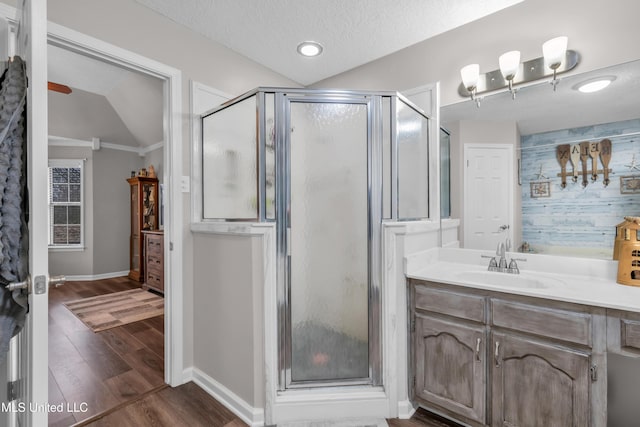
(405, 409)
(92, 277)
(247, 413)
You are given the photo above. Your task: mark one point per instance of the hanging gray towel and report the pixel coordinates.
(13, 202)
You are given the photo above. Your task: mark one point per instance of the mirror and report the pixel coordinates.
(577, 219)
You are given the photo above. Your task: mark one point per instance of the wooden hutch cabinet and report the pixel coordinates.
(144, 216)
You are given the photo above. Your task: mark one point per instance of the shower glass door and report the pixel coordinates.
(328, 217)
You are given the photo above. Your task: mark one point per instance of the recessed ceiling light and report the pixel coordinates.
(594, 85)
(309, 48)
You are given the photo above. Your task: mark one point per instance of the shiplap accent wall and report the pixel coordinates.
(576, 220)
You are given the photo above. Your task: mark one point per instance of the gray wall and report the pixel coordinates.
(138, 102)
(228, 311)
(106, 215)
(111, 218)
(155, 158)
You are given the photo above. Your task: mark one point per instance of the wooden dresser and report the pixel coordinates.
(154, 260)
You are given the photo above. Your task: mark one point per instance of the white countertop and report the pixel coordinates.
(576, 280)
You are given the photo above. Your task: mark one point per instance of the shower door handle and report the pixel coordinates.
(288, 241)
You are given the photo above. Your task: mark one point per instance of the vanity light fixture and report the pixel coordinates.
(554, 51)
(556, 59)
(595, 84)
(509, 66)
(310, 48)
(470, 75)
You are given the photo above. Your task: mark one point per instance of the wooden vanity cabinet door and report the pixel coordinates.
(536, 384)
(450, 366)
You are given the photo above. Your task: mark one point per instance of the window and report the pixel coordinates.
(66, 213)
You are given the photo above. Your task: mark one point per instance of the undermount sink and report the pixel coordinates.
(506, 279)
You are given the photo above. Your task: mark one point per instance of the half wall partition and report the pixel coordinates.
(327, 168)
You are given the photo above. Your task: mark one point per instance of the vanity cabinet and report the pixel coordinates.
(450, 352)
(490, 358)
(538, 383)
(540, 365)
(450, 365)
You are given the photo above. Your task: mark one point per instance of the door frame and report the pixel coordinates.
(72, 40)
(510, 214)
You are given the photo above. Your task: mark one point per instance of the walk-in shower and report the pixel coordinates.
(327, 168)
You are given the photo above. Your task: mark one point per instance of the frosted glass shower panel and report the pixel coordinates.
(229, 162)
(270, 155)
(413, 163)
(329, 249)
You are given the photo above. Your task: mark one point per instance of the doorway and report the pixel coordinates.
(488, 195)
(170, 155)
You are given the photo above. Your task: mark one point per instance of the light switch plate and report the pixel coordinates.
(185, 184)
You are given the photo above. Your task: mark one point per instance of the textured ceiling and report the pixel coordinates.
(353, 32)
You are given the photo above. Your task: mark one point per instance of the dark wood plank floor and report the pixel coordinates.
(119, 373)
(104, 369)
(422, 418)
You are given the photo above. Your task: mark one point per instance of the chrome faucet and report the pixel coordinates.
(501, 265)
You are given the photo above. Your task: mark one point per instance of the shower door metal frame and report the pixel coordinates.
(374, 227)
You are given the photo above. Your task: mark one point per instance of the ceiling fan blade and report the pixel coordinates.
(57, 87)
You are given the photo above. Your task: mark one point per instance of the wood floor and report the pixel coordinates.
(100, 370)
(118, 373)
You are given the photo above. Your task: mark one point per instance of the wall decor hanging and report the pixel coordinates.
(562, 153)
(580, 154)
(540, 189)
(630, 184)
(605, 156)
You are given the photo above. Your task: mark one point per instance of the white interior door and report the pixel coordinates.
(32, 47)
(488, 195)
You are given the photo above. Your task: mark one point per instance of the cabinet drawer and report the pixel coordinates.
(630, 333)
(154, 280)
(553, 323)
(154, 269)
(454, 304)
(154, 259)
(154, 248)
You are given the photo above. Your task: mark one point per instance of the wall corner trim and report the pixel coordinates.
(233, 402)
